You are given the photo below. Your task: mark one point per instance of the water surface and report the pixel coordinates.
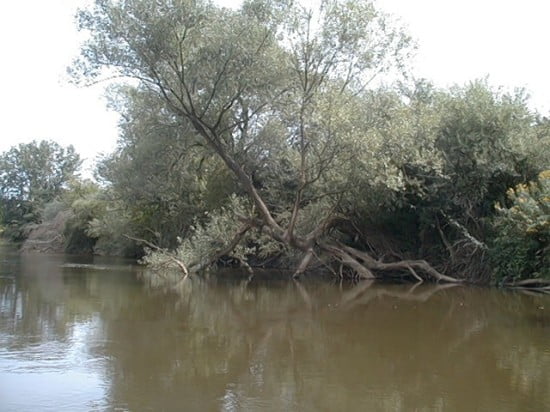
(87, 334)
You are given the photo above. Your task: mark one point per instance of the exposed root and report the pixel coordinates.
(347, 259)
(420, 265)
(361, 264)
(415, 275)
(365, 265)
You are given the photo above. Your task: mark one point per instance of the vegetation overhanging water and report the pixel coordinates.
(256, 137)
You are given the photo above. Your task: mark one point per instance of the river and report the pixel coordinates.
(86, 334)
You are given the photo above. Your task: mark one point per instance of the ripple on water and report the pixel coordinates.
(31, 373)
(73, 390)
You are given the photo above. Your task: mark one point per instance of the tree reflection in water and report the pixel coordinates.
(229, 343)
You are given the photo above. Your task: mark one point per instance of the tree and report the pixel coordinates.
(155, 173)
(31, 175)
(273, 89)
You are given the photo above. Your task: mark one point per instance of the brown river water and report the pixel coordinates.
(83, 334)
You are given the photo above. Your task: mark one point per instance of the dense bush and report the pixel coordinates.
(521, 245)
(482, 141)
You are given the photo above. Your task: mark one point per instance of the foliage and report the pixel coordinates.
(209, 242)
(521, 245)
(95, 224)
(32, 175)
(36, 171)
(52, 209)
(469, 144)
(484, 142)
(255, 130)
(486, 137)
(264, 88)
(86, 202)
(159, 179)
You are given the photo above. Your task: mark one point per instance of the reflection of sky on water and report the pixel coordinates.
(84, 338)
(56, 375)
(46, 336)
(51, 391)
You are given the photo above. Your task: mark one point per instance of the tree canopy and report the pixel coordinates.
(36, 171)
(260, 131)
(31, 175)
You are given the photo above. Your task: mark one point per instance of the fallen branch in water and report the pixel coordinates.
(203, 264)
(170, 256)
(538, 285)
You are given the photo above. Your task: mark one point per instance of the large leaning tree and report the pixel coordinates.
(273, 88)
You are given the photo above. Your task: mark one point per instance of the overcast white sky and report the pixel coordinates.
(459, 40)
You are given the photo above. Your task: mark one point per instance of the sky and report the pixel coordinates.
(458, 41)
